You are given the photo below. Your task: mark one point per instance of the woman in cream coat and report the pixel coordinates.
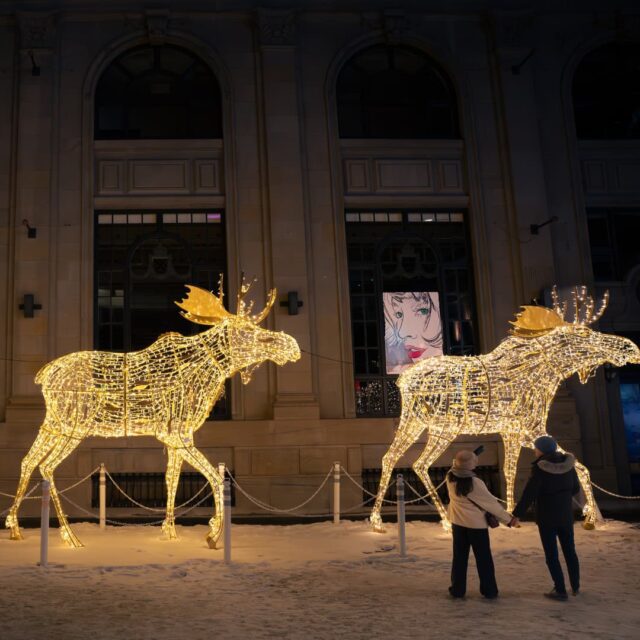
(469, 499)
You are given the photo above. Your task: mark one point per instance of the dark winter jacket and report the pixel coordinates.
(552, 485)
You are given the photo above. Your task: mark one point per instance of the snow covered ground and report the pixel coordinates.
(311, 581)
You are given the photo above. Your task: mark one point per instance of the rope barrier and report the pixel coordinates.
(154, 509)
(426, 496)
(615, 495)
(61, 491)
(3, 513)
(270, 508)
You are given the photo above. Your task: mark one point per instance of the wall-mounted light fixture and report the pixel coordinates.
(535, 228)
(29, 305)
(292, 303)
(515, 69)
(35, 69)
(31, 231)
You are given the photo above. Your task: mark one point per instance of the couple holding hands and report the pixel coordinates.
(552, 486)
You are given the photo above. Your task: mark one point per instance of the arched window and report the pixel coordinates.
(395, 92)
(157, 92)
(606, 93)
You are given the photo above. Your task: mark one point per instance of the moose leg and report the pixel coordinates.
(512, 446)
(436, 446)
(61, 451)
(172, 478)
(408, 432)
(41, 446)
(198, 461)
(590, 510)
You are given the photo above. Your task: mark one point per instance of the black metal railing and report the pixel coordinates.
(490, 475)
(150, 490)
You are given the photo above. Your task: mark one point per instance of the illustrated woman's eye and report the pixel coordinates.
(399, 314)
(423, 311)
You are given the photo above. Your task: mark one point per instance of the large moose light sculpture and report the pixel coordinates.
(166, 390)
(508, 391)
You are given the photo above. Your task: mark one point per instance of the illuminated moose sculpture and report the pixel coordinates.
(508, 391)
(166, 390)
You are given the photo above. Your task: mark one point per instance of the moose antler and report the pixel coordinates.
(203, 307)
(584, 305)
(536, 321)
(246, 309)
(560, 309)
(271, 298)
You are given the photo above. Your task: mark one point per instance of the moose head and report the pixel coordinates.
(249, 345)
(572, 346)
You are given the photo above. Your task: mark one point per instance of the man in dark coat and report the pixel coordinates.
(552, 485)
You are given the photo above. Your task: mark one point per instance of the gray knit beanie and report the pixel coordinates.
(466, 460)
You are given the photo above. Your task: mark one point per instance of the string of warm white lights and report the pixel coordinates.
(166, 390)
(508, 391)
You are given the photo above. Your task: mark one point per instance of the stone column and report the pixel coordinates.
(287, 209)
(515, 55)
(33, 188)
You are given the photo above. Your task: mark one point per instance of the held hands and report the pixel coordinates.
(514, 522)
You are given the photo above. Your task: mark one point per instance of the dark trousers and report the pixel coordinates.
(549, 537)
(478, 540)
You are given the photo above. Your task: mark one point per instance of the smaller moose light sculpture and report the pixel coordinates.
(508, 391)
(166, 390)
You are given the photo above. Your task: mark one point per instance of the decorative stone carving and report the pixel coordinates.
(156, 22)
(513, 30)
(277, 28)
(37, 30)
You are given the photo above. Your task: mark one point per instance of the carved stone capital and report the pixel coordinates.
(277, 28)
(37, 30)
(513, 30)
(393, 23)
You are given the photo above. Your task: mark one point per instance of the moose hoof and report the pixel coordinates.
(169, 530)
(376, 523)
(70, 539)
(15, 534)
(588, 525)
(212, 541)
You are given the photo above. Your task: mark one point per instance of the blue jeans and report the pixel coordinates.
(549, 537)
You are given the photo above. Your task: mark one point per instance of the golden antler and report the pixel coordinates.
(584, 305)
(271, 298)
(203, 307)
(535, 321)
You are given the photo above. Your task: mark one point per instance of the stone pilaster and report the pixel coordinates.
(286, 203)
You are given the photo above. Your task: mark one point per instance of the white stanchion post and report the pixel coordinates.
(402, 540)
(336, 493)
(103, 497)
(227, 521)
(44, 523)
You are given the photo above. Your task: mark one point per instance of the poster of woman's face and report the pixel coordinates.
(412, 328)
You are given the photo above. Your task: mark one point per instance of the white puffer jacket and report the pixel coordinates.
(465, 514)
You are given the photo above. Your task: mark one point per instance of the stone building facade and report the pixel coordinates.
(266, 168)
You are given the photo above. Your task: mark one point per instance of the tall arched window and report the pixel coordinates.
(395, 92)
(157, 92)
(606, 93)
